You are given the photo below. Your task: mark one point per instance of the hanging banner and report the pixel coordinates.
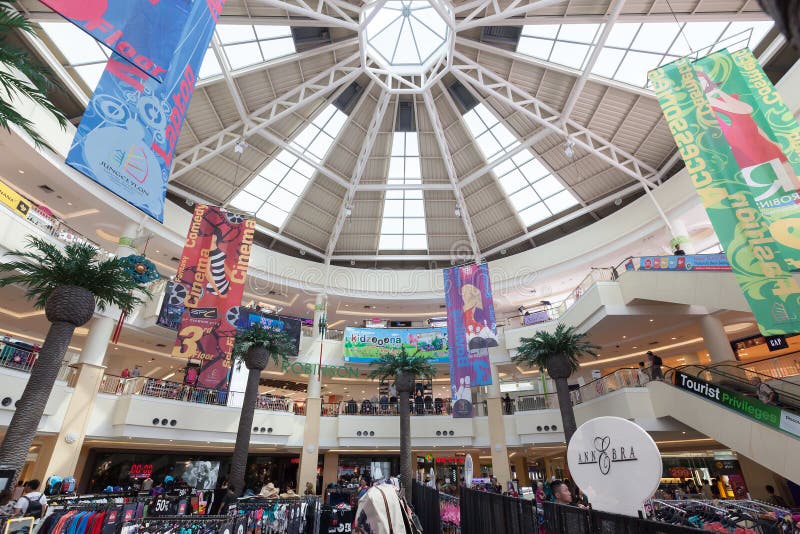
(14, 200)
(741, 146)
(128, 134)
(144, 32)
(365, 345)
(694, 262)
(213, 268)
(471, 330)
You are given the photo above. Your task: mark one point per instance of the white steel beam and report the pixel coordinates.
(222, 59)
(283, 60)
(525, 59)
(447, 159)
(303, 9)
(361, 166)
(482, 79)
(580, 83)
(337, 75)
(405, 187)
(487, 167)
(496, 13)
(298, 152)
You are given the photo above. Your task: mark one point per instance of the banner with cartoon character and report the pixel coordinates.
(365, 345)
(143, 32)
(471, 330)
(741, 146)
(128, 134)
(213, 269)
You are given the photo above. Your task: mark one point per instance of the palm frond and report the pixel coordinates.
(43, 267)
(392, 363)
(564, 342)
(277, 343)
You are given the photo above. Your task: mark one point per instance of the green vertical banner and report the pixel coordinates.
(741, 146)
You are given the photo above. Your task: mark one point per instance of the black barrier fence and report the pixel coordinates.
(426, 505)
(559, 518)
(483, 513)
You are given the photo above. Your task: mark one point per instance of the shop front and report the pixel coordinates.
(129, 469)
(353, 468)
(447, 470)
(684, 474)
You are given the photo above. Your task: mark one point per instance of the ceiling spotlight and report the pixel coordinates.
(240, 145)
(569, 148)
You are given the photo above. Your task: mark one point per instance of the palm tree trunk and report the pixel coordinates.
(242, 446)
(405, 443)
(30, 406)
(567, 412)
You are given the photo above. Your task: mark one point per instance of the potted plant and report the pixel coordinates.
(67, 283)
(404, 369)
(559, 354)
(255, 346)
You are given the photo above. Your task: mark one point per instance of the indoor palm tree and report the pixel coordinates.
(404, 368)
(255, 346)
(68, 283)
(559, 353)
(14, 61)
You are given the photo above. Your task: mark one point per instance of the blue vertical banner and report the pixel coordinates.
(129, 131)
(144, 32)
(471, 331)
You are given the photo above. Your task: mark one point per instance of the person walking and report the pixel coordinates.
(655, 366)
(33, 503)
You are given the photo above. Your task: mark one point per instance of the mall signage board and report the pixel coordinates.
(143, 32)
(14, 200)
(749, 407)
(288, 325)
(616, 463)
(128, 134)
(693, 262)
(365, 345)
(739, 142)
(213, 269)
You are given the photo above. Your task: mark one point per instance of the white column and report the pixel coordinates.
(314, 390)
(493, 390)
(716, 340)
(680, 233)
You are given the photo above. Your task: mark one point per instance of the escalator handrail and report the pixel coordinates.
(764, 378)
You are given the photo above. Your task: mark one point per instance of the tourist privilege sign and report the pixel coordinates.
(747, 406)
(616, 464)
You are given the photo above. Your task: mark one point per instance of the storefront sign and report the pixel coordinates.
(450, 460)
(680, 472)
(364, 345)
(14, 200)
(128, 134)
(697, 262)
(331, 371)
(141, 470)
(612, 452)
(746, 406)
(471, 329)
(145, 33)
(776, 342)
(213, 268)
(739, 142)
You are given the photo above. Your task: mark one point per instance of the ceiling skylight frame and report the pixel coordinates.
(259, 43)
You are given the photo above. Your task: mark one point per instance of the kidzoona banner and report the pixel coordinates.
(364, 345)
(214, 267)
(129, 131)
(471, 330)
(741, 146)
(143, 32)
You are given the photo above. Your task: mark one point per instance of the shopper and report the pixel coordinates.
(33, 503)
(561, 492)
(655, 366)
(641, 374)
(773, 498)
(508, 405)
(764, 392)
(18, 491)
(362, 488)
(679, 251)
(309, 489)
(227, 501)
(135, 372)
(125, 374)
(581, 499)
(540, 497)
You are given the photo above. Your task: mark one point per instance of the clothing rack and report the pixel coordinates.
(746, 515)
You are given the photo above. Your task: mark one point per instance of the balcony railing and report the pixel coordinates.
(436, 407)
(530, 403)
(621, 378)
(19, 359)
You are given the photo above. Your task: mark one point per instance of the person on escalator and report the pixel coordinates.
(641, 374)
(764, 392)
(655, 365)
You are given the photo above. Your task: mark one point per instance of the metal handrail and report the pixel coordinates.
(539, 401)
(627, 377)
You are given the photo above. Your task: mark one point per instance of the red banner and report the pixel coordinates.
(213, 269)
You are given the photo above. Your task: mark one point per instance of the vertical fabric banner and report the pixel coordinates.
(741, 146)
(144, 32)
(213, 267)
(128, 134)
(471, 330)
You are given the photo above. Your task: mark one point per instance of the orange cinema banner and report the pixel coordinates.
(213, 269)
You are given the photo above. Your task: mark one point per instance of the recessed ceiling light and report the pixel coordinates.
(69, 203)
(21, 171)
(651, 320)
(624, 337)
(674, 338)
(635, 347)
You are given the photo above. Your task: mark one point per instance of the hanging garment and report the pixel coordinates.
(379, 512)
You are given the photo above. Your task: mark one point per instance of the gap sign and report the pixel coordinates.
(754, 409)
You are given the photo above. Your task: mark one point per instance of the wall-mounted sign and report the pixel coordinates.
(776, 342)
(364, 345)
(297, 368)
(141, 470)
(612, 452)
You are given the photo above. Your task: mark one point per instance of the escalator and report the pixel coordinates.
(753, 414)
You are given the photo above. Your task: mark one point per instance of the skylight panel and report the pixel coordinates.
(274, 192)
(656, 37)
(245, 46)
(210, 66)
(531, 188)
(569, 54)
(403, 225)
(243, 55)
(235, 33)
(77, 46)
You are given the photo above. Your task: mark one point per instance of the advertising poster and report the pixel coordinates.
(202, 474)
(289, 325)
(696, 262)
(128, 134)
(169, 316)
(213, 268)
(740, 145)
(14, 200)
(471, 330)
(143, 32)
(364, 345)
